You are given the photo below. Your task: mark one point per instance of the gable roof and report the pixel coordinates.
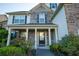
(41, 5)
(18, 12)
(33, 9)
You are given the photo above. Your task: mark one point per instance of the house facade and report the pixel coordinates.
(59, 18)
(34, 25)
(44, 24)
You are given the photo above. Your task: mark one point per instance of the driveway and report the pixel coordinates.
(44, 52)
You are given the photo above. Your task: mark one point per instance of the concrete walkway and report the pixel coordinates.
(44, 52)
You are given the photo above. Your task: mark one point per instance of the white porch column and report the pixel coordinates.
(49, 33)
(45, 39)
(35, 38)
(9, 36)
(27, 34)
(56, 35)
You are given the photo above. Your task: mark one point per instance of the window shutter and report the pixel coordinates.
(13, 19)
(45, 18)
(25, 19)
(37, 18)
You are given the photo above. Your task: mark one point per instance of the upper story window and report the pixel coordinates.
(41, 17)
(53, 5)
(19, 19)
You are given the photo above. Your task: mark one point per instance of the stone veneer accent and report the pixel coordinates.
(39, 9)
(72, 15)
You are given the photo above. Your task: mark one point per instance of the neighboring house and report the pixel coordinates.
(34, 25)
(3, 21)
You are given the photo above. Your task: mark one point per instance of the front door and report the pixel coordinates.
(41, 39)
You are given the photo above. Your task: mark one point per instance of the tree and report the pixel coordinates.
(3, 36)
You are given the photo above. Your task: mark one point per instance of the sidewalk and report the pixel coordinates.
(44, 52)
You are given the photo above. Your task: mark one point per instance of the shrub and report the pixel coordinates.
(26, 45)
(3, 36)
(3, 33)
(69, 45)
(55, 48)
(2, 42)
(12, 51)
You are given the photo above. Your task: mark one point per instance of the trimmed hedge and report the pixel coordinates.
(12, 51)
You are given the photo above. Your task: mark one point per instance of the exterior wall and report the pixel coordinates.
(32, 17)
(53, 39)
(28, 19)
(61, 22)
(31, 37)
(36, 12)
(10, 19)
(72, 15)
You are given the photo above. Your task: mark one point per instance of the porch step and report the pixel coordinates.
(43, 48)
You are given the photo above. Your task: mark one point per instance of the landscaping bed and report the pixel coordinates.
(68, 46)
(17, 47)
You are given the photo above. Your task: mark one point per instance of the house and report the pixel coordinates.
(44, 24)
(34, 25)
(3, 21)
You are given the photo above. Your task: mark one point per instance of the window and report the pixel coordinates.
(22, 19)
(41, 17)
(16, 19)
(19, 19)
(53, 5)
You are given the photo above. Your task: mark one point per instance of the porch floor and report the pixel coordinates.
(44, 52)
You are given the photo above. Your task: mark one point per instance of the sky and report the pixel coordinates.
(11, 7)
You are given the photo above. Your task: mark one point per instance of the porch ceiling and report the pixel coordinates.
(33, 24)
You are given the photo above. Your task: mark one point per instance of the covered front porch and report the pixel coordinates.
(41, 37)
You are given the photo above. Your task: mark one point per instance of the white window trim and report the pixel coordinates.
(19, 19)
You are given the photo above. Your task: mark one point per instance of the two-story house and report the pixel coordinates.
(34, 25)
